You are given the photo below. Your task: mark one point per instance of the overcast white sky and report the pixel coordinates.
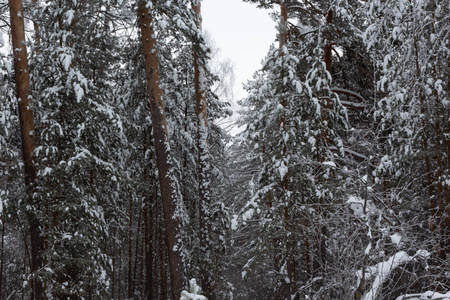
(243, 32)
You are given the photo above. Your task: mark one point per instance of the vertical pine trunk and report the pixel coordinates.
(130, 249)
(37, 33)
(162, 156)
(321, 250)
(158, 245)
(162, 264)
(113, 276)
(148, 232)
(119, 281)
(424, 137)
(431, 195)
(28, 136)
(283, 36)
(141, 266)
(23, 89)
(447, 202)
(2, 258)
(288, 240)
(328, 48)
(327, 60)
(440, 167)
(136, 253)
(202, 144)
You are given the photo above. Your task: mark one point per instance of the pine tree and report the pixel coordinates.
(77, 130)
(27, 129)
(411, 115)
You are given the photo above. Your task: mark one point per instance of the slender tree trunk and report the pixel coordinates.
(119, 281)
(202, 144)
(158, 245)
(283, 36)
(440, 170)
(37, 32)
(424, 137)
(288, 239)
(162, 156)
(23, 89)
(113, 279)
(162, 264)
(328, 49)
(447, 203)
(2, 257)
(148, 228)
(28, 136)
(433, 202)
(440, 201)
(148, 232)
(136, 252)
(130, 249)
(140, 276)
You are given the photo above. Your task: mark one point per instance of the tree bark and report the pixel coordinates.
(162, 266)
(327, 56)
(424, 137)
(136, 254)
(288, 239)
(148, 225)
(23, 89)
(447, 204)
(328, 48)
(28, 137)
(283, 35)
(202, 125)
(162, 156)
(149, 220)
(202, 144)
(440, 166)
(37, 32)
(2, 258)
(130, 248)
(113, 250)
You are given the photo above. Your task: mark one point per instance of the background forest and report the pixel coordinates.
(117, 181)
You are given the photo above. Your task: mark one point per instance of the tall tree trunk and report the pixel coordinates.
(440, 166)
(424, 137)
(327, 56)
(320, 250)
(433, 223)
(23, 89)
(28, 137)
(148, 232)
(119, 281)
(130, 249)
(329, 47)
(447, 203)
(2, 258)
(288, 239)
(202, 144)
(149, 220)
(113, 250)
(162, 156)
(37, 32)
(162, 266)
(136, 252)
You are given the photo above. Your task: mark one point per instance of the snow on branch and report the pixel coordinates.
(383, 269)
(194, 293)
(351, 94)
(427, 295)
